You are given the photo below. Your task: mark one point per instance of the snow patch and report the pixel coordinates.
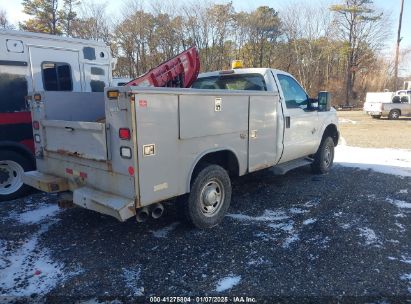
(403, 191)
(268, 216)
(297, 211)
(389, 161)
(290, 239)
(370, 236)
(346, 121)
(132, 279)
(309, 221)
(398, 203)
(30, 269)
(163, 232)
(38, 215)
(227, 283)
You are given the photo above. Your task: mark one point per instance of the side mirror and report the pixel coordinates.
(324, 101)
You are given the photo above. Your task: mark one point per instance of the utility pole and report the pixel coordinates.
(397, 51)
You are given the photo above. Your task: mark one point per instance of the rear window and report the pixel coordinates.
(231, 82)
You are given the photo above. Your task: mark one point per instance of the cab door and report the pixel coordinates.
(55, 69)
(301, 124)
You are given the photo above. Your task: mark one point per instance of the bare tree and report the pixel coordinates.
(363, 29)
(4, 22)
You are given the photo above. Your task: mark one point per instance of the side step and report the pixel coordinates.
(288, 166)
(119, 207)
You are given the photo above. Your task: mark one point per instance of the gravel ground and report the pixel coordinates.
(360, 130)
(342, 237)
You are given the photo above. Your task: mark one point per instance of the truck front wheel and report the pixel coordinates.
(209, 197)
(324, 158)
(12, 167)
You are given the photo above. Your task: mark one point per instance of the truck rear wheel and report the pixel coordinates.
(209, 197)
(12, 167)
(324, 158)
(394, 114)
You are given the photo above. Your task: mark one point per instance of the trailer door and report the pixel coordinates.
(55, 69)
(262, 146)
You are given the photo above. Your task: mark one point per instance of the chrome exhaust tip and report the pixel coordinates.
(157, 211)
(142, 215)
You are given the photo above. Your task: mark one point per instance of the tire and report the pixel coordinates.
(376, 116)
(324, 158)
(12, 167)
(394, 114)
(209, 197)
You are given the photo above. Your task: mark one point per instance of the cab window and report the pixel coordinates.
(245, 82)
(57, 76)
(294, 95)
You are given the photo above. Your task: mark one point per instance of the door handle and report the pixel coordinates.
(287, 122)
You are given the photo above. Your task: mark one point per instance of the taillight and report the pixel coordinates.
(124, 133)
(36, 125)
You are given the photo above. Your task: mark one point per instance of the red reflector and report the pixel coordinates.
(36, 125)
(69, 171)
(124, 133)
(83, 175)
(131, 170)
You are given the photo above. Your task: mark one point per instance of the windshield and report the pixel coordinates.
(231, 82)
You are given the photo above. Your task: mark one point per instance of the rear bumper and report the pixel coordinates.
(45, 182)
(117, 206)
(376, 113)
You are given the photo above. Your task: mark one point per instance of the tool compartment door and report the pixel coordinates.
(75, 138)
(262, 149)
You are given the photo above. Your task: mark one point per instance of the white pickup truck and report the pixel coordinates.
(160, 143)
(388, 104)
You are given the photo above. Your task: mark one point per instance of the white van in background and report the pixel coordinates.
(40, 62)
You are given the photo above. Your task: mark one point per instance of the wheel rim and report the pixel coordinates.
(212, 196)
(11, 177)
(394, 114)
(327, 156)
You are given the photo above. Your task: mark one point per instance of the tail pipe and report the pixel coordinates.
(157, 211)
(142, 215)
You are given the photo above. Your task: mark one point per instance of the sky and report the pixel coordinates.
(390, 7)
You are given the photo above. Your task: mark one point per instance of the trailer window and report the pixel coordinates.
(245, 82)
(57, 76)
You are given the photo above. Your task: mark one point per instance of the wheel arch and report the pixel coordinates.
(332, 131)
(225, 158)
(396, 109)
(18, 148)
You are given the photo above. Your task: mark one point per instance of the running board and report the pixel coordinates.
(290, 165)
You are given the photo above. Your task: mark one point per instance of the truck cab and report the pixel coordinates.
(300, 120)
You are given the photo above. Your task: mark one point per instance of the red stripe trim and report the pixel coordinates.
(15, 118)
